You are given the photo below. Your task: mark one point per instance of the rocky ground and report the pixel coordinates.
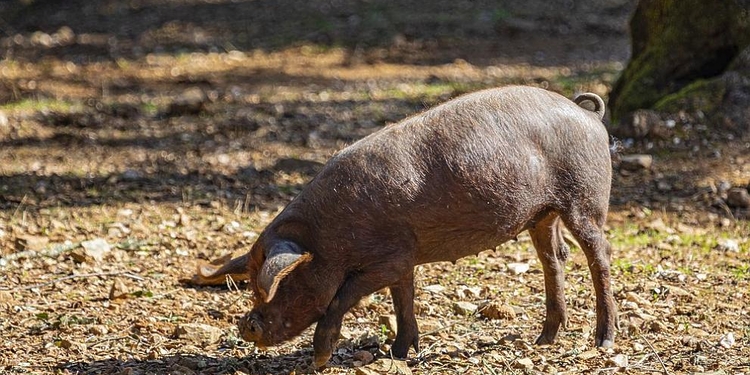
(139, 137)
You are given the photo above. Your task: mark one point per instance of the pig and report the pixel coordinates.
(465, 176)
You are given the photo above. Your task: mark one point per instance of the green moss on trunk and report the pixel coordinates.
(702, 95)
(675, 43)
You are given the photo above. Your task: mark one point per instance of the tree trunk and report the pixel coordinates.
(681, 51)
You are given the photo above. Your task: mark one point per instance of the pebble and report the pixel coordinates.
(729, 245)
(201, 334)
(189, 102)
(517, 268)
(364, 357)
(620, 360)
(435, 288)
(727, 341)
(96, 248)
(495, 310)
(524, 363)
(33, 243)
(636, 162)
(738, 198)
(98, 330)
(464, 308)
(3, 120)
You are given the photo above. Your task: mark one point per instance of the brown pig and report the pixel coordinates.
(450, 182)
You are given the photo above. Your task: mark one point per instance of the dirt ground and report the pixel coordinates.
(137, 137)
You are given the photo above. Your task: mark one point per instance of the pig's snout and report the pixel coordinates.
(251, 328)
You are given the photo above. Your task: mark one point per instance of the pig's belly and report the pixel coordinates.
(457, 237)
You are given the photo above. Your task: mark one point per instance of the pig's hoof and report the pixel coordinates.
(605, 343)
(544, 340)
(320, 360)
(400, 348)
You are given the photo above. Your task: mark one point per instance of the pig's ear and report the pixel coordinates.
(215, 273)
(281, 260)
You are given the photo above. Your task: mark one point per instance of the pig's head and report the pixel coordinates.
(291, 292)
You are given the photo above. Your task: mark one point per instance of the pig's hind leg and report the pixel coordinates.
(407, 333)
(586, 225)
(552, 251)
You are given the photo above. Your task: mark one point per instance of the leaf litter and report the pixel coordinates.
(112, 195)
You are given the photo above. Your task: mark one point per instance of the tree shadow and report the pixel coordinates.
(408, 31)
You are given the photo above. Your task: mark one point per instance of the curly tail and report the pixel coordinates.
(599, 107)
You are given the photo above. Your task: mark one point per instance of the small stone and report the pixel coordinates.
(729, 245)
(65, 344)
(96, 248)
(32, 243)
(663, 186)
(619, 360)
(98, 330)
(469, 291)
(364, 357)
(486, 341)
(642, 124)
(464, 308)
(495, 310)
(636, 162)
(118, 290)
(189, 102)
(6, 297)
(130, 175)
(638, 347)
(657, 327)
(184, 220)
(727, 341)
(201, 334)
(592, 353)
(517, 268)
(117, 230)
(524, 363)
(435, 288)
(3, 120)
(738, 198)
(640, 301)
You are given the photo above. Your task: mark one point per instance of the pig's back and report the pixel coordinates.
(472, 173)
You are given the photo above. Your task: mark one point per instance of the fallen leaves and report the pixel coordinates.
(385, 366)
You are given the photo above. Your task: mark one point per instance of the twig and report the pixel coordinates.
(507, 365)
(70, 277)
(443, 328)
(51, 253)
(23, 200)
(656, 354)
(488, 367)
(91, 345)
(726, 209)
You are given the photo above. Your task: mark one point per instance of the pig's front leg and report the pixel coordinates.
(356, 286)
(407, 333)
